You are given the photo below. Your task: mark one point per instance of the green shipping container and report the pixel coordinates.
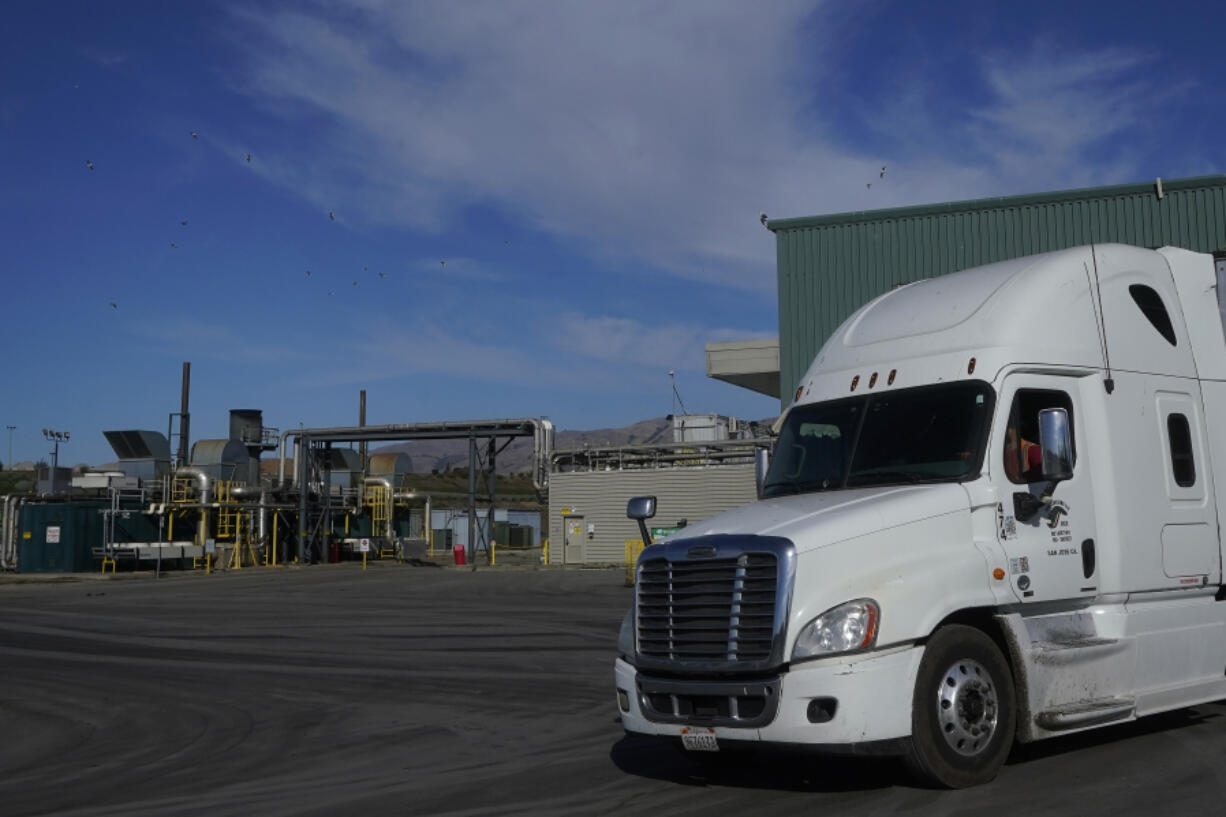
(359, 526)
(59, 537)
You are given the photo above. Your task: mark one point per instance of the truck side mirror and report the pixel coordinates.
(1056, 444)
(761, 463)
(640, 508)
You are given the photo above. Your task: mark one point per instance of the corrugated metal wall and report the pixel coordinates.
(599, 497)
(828, 266)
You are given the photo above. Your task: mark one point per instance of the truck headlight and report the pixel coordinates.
(625, 637)
(849, 627)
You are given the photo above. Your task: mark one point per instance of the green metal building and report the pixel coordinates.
(828, 266)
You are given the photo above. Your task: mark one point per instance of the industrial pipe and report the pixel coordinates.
(248, 491)
(202, 488)
(386, 483)
(8, 536)
(542, 448)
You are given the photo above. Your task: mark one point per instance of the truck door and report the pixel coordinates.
(1190, 554)
(1051, 552)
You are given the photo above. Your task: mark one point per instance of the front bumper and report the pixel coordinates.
(873, 691)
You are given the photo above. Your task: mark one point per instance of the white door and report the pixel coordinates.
(1047, 531)
(572, 539)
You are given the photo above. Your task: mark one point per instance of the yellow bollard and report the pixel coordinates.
(633, 548)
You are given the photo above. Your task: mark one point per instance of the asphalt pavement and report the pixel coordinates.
(401, 690)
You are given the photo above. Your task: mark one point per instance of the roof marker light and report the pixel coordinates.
(872, 381)
(970, 367)
(855, 381)
(799, 389)
(890, 380)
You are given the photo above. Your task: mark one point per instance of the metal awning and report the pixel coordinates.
(750, 364)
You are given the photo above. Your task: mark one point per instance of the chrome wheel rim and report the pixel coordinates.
(967, 707)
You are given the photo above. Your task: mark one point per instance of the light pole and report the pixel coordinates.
(55, 437)
(9, 462)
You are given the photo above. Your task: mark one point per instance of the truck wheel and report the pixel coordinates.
(963, 715)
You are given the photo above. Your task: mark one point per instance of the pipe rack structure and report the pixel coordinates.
(488, 432)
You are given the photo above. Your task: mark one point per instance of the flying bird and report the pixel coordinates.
(174, 246)
(114, 305)
(331, 215)
(882, 176)
(762, 218)
(869, 186)
(89, 164)
(248, 158)
(308, 273)
(183, 223)
(330, 292)
(383, 275)
(443, 263)
(355, 283)
(195, 135)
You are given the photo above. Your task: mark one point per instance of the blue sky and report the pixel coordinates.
(591, 173)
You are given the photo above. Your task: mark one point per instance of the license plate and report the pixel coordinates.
(699, 740)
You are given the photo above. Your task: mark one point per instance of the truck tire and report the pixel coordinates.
(963, 714)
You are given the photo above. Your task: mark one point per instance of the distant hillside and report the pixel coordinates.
(440, 455)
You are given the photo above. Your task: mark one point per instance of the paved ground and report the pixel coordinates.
(400, 690)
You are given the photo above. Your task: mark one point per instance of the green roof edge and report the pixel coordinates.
(972, 205)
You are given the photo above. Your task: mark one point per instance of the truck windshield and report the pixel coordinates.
(924, 434)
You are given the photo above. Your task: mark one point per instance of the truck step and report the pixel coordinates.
(1077, 643)
(1086, 713)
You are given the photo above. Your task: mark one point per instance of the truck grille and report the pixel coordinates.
(719, 610)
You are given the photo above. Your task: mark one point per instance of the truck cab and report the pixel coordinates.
(991, 516)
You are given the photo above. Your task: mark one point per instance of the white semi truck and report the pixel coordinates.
(992, 514)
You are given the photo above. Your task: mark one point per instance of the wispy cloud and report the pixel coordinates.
(468, 269)
(384, 350)
(1037, 117)
(654, 152)
(105, 58)
(213, 340)
(1051, 107)
(628, 341)
(656, 133)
